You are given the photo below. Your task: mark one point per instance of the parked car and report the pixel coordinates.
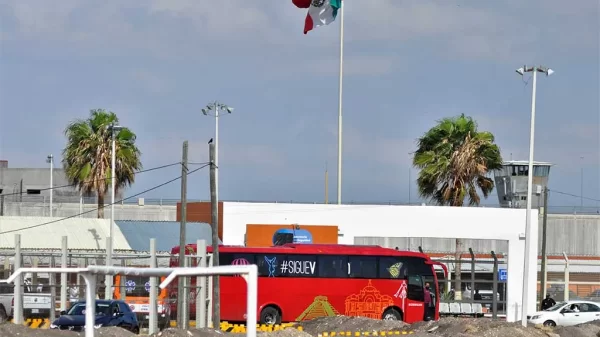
(35, 304)
(108, 313)
(567, 313)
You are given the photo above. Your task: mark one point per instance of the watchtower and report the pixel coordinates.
(511, 183)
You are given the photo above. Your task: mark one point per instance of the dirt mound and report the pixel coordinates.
(591, 329)
(13, 330)
(481, 327)
(285, 333)
(345, 323)
(191, 333)
(10, 330)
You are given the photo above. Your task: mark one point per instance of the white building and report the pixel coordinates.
(362, 221)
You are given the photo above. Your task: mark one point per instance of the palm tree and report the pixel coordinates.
(454, 159)
(87, 156)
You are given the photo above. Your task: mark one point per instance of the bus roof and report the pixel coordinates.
(304, 248)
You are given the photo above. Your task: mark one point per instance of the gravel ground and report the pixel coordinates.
(591, 329)
(10, 330)
(192, 333)
(345, 323)
(446, 327)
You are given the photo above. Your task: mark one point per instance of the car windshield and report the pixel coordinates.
(556, 306)
(79, 309)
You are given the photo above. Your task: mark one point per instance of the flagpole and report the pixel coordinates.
(339, 173)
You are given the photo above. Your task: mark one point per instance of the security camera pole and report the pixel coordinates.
(212, 109)
(522, 71)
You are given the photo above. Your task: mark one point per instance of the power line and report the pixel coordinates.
(103, 206)
(93, 180)
(574, 195)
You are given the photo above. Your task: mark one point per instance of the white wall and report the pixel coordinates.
(47, 233)
(404, 221)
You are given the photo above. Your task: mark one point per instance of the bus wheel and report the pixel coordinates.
(270, 315)
(392, 315)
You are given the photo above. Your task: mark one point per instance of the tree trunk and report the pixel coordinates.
(457, 270)
(100, 205)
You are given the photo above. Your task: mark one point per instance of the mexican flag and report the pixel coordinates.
(320, 12)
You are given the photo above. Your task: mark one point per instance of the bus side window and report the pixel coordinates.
(362, 266)
(415, 288)
(333, 266)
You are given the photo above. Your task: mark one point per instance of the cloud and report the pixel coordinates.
(173, 29)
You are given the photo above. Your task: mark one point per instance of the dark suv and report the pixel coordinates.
(108, 313)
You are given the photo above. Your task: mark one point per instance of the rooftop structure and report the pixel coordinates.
(511, 183)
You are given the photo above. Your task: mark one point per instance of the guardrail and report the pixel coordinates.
(248, 272)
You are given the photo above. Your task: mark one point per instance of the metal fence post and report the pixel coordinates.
(63, 276)
(123, 282)
(185, 303)
(209, 292)
(90, 302)
(108, 280)
(35, 261)
(495, 287)
(472, 274)
(18, 294)
(52, 284)
(153, 327)
(566, 290)
(201, 286)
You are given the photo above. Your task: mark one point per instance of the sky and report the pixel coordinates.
(407, 64)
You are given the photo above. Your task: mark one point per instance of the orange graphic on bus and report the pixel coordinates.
(368, 303)
(320, 307)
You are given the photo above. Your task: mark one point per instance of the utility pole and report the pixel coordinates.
(50, 160)
(409, 189)
(326, 185)
(581, 192)
(544, 257)
(181, 300)
(216, 316)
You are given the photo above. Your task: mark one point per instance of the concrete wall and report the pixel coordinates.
(38, 233)
(405, 221)
(435, 244)
(573, 234)
(122, 212)
(19, 180)
(576, 235)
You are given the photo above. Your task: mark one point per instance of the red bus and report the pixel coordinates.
(299, 282)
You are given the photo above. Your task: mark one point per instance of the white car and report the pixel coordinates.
(567, 313)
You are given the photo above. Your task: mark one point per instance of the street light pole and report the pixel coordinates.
(214, 109)
(109, 252)
(409, 182)
(522, 71)
(581, 192)
(50, 160)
